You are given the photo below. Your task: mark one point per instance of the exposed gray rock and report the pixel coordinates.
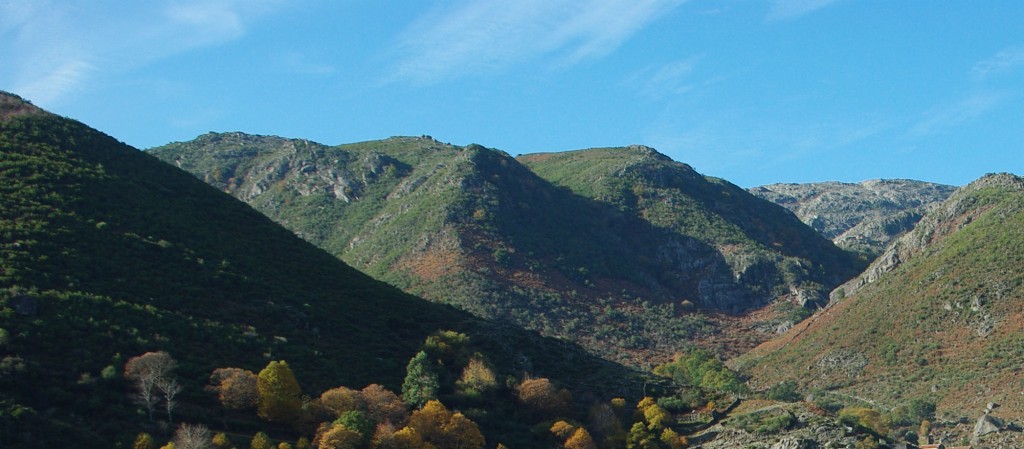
(865, 216)
(959, 210)
(987, 424)
(846, 361)
(795, 443)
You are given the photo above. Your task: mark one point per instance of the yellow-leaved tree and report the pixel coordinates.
(280, 398)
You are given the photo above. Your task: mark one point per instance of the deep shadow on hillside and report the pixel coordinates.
(117, 253)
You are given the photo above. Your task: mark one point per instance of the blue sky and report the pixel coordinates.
(752, 91)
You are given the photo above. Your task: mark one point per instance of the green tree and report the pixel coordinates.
(358, 422)
(640, 438)
(421, 383)
(784, 391)
(280, 398)
(864, 417)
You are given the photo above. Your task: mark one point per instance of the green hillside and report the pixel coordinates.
(475, 228)
(768, 250)
(108, 252)
(939, 317)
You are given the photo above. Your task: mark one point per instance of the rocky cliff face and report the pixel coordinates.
(863, 217)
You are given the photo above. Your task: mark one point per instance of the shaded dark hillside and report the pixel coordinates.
(938, 319)
(473, 227)
(863, 217)
(108, 252)
(769, 253)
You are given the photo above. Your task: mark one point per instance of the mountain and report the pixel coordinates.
(633, 277)
(938, 318)
(108, 252)
(863, 217)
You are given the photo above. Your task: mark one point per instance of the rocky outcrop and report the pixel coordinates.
(959, 210)
(987, 424)
(806, 430)
(863, 217)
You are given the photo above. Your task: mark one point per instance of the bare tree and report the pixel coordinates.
(193, 436)
(169, 388)
(151, 373)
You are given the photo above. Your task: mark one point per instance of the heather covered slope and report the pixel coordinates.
(943, 320)
(475, 228)
(863, 217)
(108, 252)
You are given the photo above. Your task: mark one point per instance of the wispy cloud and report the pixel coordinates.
(482, 35)
(666, 80)
(790, 9)
(968, 109)
(53, 49)
(1005, 61)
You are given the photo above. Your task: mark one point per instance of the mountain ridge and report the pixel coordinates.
(473, 227)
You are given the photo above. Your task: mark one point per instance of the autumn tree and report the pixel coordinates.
(383, 405)
(150, 373)
(192, 436)
(672, 440)
(235, 388)
(342, 399)
(580, 439)
(261, 441)
(421, 382)
(280, 398)
(338, 437)
(562, 430)
(221, 441)
(541, 396)
(461, 432)
(144, 441)
(444, 429)
(406, 438)
(477, 377)
(652, 414)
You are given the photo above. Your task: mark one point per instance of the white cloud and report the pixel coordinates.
(482, 35)
(667, 80)
(57, 81)
(1005, 61)
(53, 49)
(955, 114)
(790, 9)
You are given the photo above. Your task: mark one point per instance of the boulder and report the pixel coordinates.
(987, 424)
